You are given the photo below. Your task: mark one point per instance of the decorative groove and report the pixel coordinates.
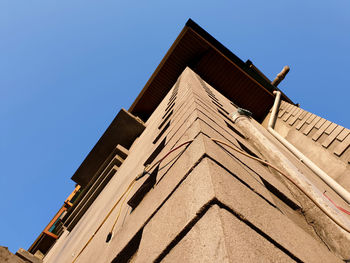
(166, 119)
(302, 115)
(298, 127)
(287, 109)
(217, 103)
(239, 216)
(330, 128)
(331, 133)
(282, 109)
(286, 117)
(343, 134)
(172, 100)
(311, 118)
(319, 133)
(169, 106)
(294, 119)
(293, 113)
(342, 147)
(332, 136)
(311, 125)
(320, 123)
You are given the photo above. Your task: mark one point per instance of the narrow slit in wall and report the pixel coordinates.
(155, 153)
(172, 97)
(144, 189)
(221, 108)
(130, 250)
(217, 104)
(166, 119)
(209, 92)
(205, 87)
(176, 88)
(169, 108)
(280, 195)
(233, 104)
(213, 97)
(247, 150)
(225, 115)
(173, 94)
(234, 130)
(161, 132)
(172, 100)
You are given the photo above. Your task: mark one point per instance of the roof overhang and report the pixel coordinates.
(219, 67)
(123, 130)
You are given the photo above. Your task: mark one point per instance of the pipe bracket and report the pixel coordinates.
(241, 112)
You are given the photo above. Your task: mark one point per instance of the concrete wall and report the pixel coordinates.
(324, 142)
(208, 203)
(8, 257)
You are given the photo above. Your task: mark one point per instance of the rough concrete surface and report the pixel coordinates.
(209, 240)
(26, 256)
(208, 204)
(7, 257)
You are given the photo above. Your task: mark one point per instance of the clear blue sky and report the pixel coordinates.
(67, 67)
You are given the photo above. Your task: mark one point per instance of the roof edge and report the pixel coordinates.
(226, 52)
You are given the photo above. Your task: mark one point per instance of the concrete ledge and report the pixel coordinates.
(27, 257)
(207, 185)
(123, 130)
(220, 237)
(89, 198)
(8, 257)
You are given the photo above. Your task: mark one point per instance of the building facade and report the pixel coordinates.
(178, 178)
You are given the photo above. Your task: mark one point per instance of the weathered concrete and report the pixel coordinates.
(139, 152)
(335, 237)
(208, 204)
(176, 213)
(123, 130)
(317, 139)
(27, 257)
(209, 241)
(197, 191)
(8, 257)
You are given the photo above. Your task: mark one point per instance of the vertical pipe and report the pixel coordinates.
(344, 194)
(326, 228)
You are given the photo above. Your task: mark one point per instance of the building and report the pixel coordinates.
(187, 175)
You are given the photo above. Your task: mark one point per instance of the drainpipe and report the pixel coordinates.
(320, 173)
(280, 76)
(335, 237)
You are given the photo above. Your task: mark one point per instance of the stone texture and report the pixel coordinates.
(320, 142)
(209, 203)
(220, 237)
(7, 257)
(205, 242)
(186, 204)
(123, 130)
(269, 220)
(28, 257)
(176, 213)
